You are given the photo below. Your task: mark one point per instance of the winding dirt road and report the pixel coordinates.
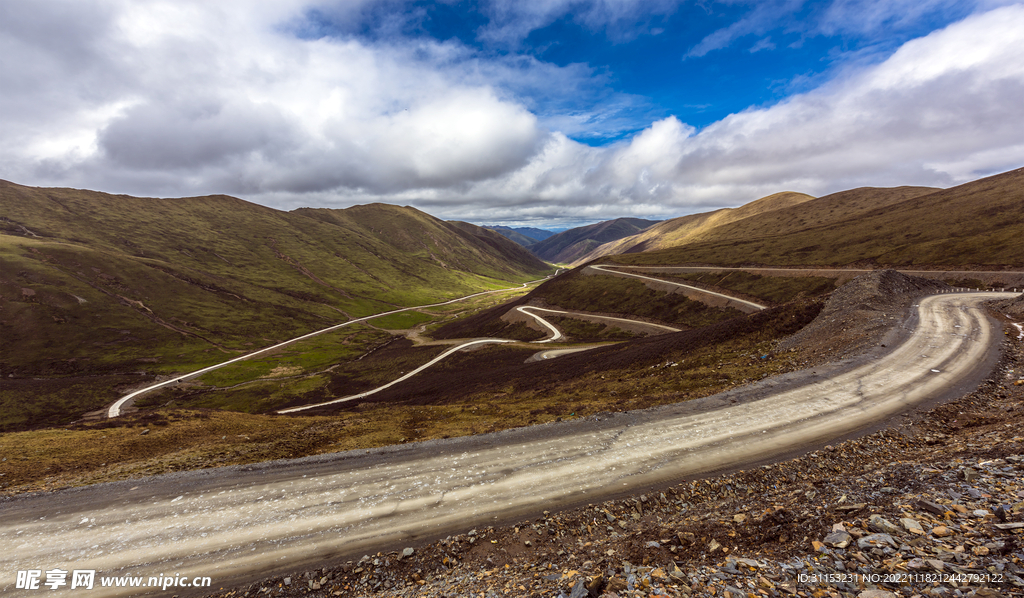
(555, 334)
(238, 523)
(117, 406)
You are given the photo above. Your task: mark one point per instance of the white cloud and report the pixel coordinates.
(943, 110)
(513, 20)
(873, 20)
(182, 98)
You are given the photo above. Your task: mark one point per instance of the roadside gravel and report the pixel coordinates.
(930, 506)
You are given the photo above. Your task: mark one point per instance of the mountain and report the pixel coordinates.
(94, 284)
(685, 229)
(568, 245)
(980, 223)
(523, 235)
(513, 235)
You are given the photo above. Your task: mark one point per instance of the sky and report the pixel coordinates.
(550, 113)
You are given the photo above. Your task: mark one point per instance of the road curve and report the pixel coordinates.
(115, 409)
(397, 380)
(749, 305)
(243, 522)
(556, 334)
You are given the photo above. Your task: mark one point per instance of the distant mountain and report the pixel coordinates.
(678, 231)
(525, 236)
(93, 284)
(980, 223)
(569, 245)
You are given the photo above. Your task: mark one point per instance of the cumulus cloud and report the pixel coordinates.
(182, 98)
(934, 113)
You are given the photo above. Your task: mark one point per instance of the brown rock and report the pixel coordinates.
(936, 564)
(912, 526)
(615, 584)
(941, 531)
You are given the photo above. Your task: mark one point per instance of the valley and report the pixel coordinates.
(434, 376)
(354, 502)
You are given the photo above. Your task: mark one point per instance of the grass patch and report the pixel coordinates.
(403, 321)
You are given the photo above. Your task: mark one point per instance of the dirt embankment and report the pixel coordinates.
(1012, 307)
(860, 314)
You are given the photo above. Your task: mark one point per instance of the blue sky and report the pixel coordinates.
(651, 65)
(547, 113)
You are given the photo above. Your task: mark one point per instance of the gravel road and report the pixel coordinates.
(237, 523)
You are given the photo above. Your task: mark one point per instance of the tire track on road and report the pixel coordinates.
(257, 521)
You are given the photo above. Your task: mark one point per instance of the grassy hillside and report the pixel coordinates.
(569, 245)
(976, 224)
(686, 229)
(99, 292)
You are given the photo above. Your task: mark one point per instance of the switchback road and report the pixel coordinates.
(115, 409)
(555, 334)
(238, 523)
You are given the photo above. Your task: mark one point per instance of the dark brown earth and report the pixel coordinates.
(955, 470)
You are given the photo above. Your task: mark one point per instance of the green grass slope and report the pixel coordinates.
(101, 291)
(980, 223)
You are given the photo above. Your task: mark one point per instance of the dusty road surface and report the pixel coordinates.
(239, 523)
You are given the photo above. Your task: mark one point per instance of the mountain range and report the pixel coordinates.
(98, 284)
(980, 223)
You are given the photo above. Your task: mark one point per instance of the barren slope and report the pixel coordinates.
(977, 224)
(690, 228)
(569, 245)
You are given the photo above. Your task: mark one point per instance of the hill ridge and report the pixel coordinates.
(978, 223)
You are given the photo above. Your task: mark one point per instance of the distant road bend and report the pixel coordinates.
(240, 523)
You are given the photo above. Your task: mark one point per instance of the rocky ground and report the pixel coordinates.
(933, 505)
(859, 314)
